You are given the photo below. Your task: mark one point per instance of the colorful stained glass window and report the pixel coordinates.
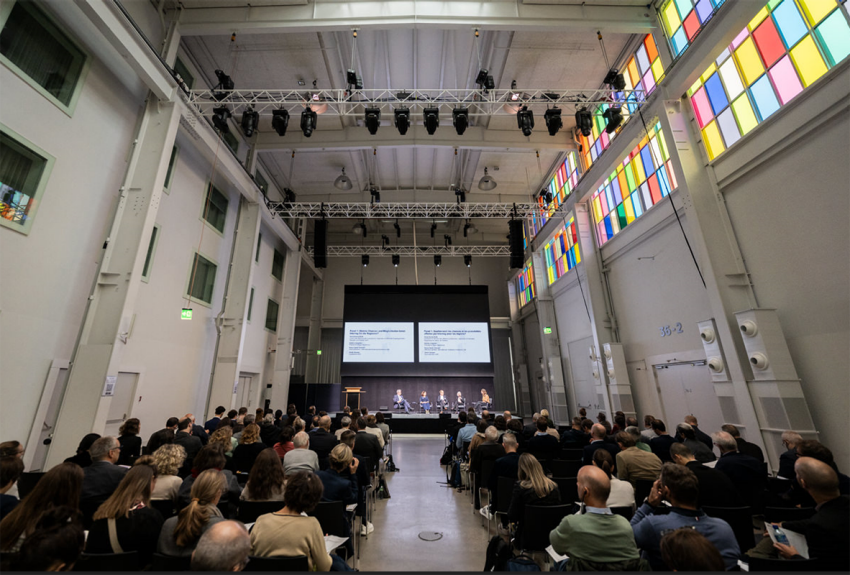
(560, 186)
(684, 19)
(782, 51)
(525, 284)
(561, 251)
(642, 73)
(640, 181)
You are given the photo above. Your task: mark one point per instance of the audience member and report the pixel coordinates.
(634, 463)
(466, 433)
(622, 492)
(488, 450)
(500, 424)
(301, 458)
(240, 415)
(631, 421)
(746, 473)
(266, 480)
(515, 427)
(619, 422)
(679, 486)
(715, 487)
(168, 460)
(790, 439)
(363, 479)
(246, 421)
(340, 479)
(689, 550)
(198, 430)
(550, 424)
(372, 427)
(269, 432)
(597, 441)
(687, 435)
(102, 477)
(83, 457)
(597, 540)
(125, 522)
(248, 449)
(574, 437)
(507, 415)
(382, 425)
(180, 534)
(744, 447)
(698, 433)
(478, 438)
(131, 443)
(59, 486)
(322, 441)
(506, 466)
(56, 542)
(210, 457)
(172, 423)
(285, 444)
(660, 445)
(344, 423)
(223, 547)
(212, 424)
(817, 450)
(639, 439)
(11, 469)
(648, 433)
(224, 437)
(532, 488)
(530, 428)
(185, 437)
(231, 415)
(582, 412)
(12, 448)
(543, 445)
(366, 444)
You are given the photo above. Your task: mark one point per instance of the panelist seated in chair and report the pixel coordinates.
(461, 402)
(399, 401)
(485, 400)
(424, 402)
(442, 402)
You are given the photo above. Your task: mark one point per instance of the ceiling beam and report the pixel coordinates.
(389, 14)
(475, 138)
(411, 251)
(420, 210)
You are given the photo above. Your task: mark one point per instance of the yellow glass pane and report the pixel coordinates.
(816, 9)
(808, 60)
(671, 18)
(744, 114)
(708, 72)
(713, 141)
(639, 171)
(748, 61)
(657, 70)
(630, 210)
(695, 87)
(633, 72)
(578, 257)
(597, 210)
(758, 18)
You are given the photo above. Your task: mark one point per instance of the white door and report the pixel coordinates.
(122, 402)
(687, 389)
(243, 392)
(49, 422)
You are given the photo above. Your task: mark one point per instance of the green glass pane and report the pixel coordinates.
(834, 35)
(621, 216)
(630, 177)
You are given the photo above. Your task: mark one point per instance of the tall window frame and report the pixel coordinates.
(203, 282)
(525, 288)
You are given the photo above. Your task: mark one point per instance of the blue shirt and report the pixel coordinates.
(466, 433)
(649, 529)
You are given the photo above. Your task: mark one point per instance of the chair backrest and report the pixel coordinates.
(538, 521)
(169, 563)
(299, 563)
(464, 451)
(643, 487)
(740, 519)
(249, 511)
(564, 468)
(503, 495)
(108, 562)
(165, 507)
(241, 478)
(778, 485)
(568, 488)
(628, 511)
(27, 481)
(780, 514)
(486, 471)
(802, 565)
(571, 454)
(331, 516)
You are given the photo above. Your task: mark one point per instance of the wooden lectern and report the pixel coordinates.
(353, 391)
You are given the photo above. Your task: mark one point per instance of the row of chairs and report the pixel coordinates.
(129, 561)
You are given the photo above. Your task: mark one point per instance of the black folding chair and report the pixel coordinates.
(165, 507)
(484, 479)
(643, 487)
(538, 521)
(563, 468)
(249, 511)
(503, 499)
(108, 562)
(241, 478)
(571, 454)
(780, 514)
(27, 481)
(628, 511)
(168, 563)
(782, 565)
(333, 519)
(568, 489)
(299, 563)
(740, 519)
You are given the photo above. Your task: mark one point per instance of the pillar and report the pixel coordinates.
(279, 391)
(314, 335)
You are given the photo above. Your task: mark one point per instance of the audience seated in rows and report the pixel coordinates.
(543, 444)
(210, 457)
(790, 440)
(715, 487)
(596, 540)
(622, 492)
(56, 543)
(505, 466)
(660, 444)
(249, 448)
(180, 534)
(366, 444)
(301, 458)
(223, 547)
(168, 460)
(633, 463)
(679, 486)
(101, 478)
(744, 447)
(686, 435)
(746, 473)
(597, 441)
(11, 469)
(322, 441)
(532, 488)
(131, 443)
(266, 481)
(689, 550)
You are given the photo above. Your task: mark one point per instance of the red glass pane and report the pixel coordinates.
(654, 189)
(691, 25)
(769, 43)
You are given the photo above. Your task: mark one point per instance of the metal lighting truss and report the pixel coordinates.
(411, 210)
(344, 103)
(418, 251)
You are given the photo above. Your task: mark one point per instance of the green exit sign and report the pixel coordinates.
(547, 330)
(186, 313)
(318, 352)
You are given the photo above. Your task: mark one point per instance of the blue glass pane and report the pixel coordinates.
(790, 23)
(663, 181)
(615, 186)
(716, 93)
(610, 196)
(608, 229)
(704, 9)
(680, 41)
(646, 157)
(636, 204)
(764, 97)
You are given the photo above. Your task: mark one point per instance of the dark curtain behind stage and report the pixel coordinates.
(379, 391)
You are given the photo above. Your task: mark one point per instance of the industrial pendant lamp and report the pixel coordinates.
(343, 182)
(486, 182)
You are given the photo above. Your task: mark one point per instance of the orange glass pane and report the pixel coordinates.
(651, 49)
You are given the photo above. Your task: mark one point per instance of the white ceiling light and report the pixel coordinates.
(343, 182)
(486, 182)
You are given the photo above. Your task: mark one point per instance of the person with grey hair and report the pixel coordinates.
(530, 429)
(345, 423)
(322, 441)
(790, 439)
(744, 446)
(639, 438)
(101, 478)
(223, 547)
(748, 474)
(685, 434)
(269, 432)
(300, 458)
(488, 450)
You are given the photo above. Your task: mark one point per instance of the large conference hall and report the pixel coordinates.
(424, 285)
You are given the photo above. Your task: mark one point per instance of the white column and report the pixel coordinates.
(279, 392)
(314, 335)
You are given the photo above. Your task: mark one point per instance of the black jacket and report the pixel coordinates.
(704, 437)
(589, 450)
(826, 534)
(246, 454)
(367, 445)
(786, 464)
(574, 439)
(322, 442)
(715, 487)
(338, 487)
(192, 445)
(751, 449)
(660, 446)
(746, 473)
(485, 452)
(269, 434)
(99, 482)
(138, 532)
(131, 448)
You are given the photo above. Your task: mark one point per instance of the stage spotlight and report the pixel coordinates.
(433, 229)
(396, 260)
(402, 119)
(288, 196)
(355, 229)
(584, 122)
(432, 119)
(438, 260)
(365, 260)
(397, 230)
(546, 195)
(486, 182)
(481, 79)
(460, 194)
(308, 121)
(553, 120)
(343, 182)
(373, 120)
(614, 118)
(250, 121)
(467, 259)
(615, 80)
(220, 117)
(385, 241)
(460, 120)
(376, 195)
(469, 228)
(224, 83)
(448, 239)
(525, 120)
(280, 121)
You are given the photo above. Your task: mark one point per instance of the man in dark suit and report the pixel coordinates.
(700, 434)
(543, 445)
(366, 444)
(212, 424)
(399, 401)
(597, 441)
(744, 447)
(529, 429)
(507, 466)
(189, 442)
(790, 439)
(198, 430)
(575, 437)
(660, 445)
(488, 450)
(715, 487)
(746, 473)
(322, 441)
(101, 477)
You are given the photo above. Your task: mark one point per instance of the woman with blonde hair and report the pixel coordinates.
(550, 425)
(532, 488)
(249, 448)
(180, 534)
(224, 436)
(168, 459)
(125, 522)
(265, 482)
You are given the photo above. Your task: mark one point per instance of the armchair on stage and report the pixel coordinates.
(424, 403)
(400, 402)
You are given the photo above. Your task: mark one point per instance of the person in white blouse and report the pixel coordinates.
(622, 492)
